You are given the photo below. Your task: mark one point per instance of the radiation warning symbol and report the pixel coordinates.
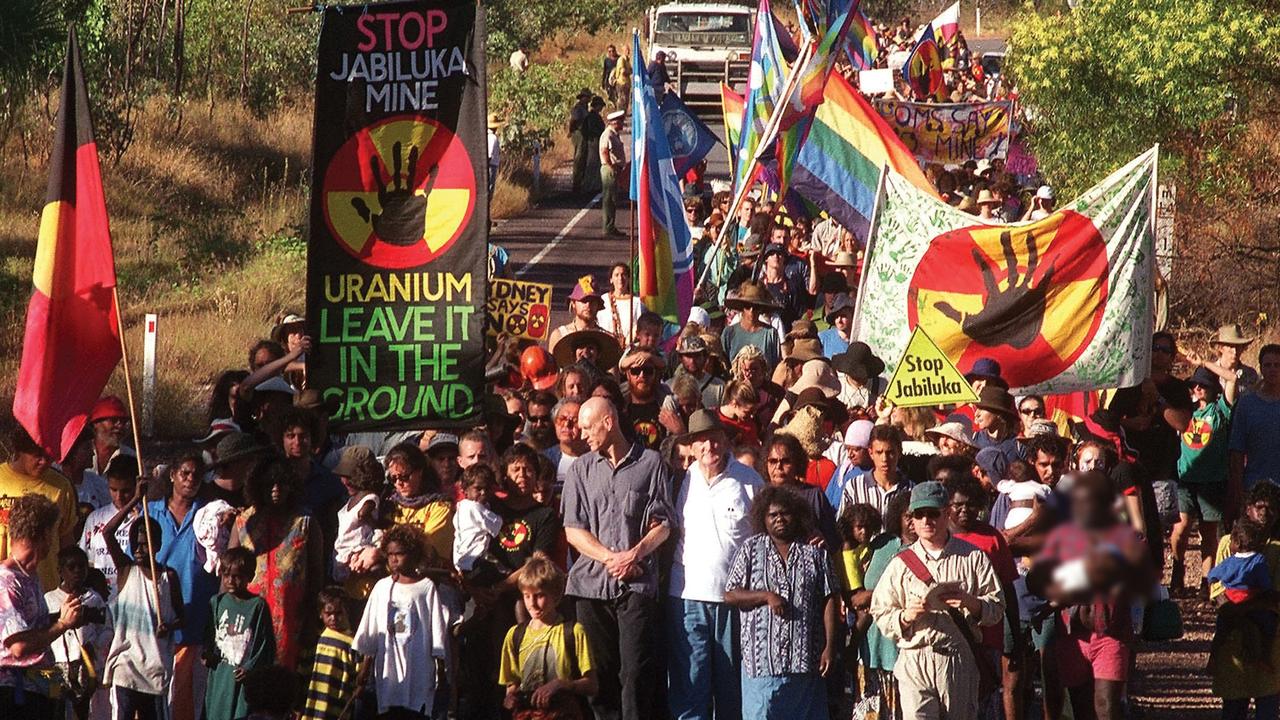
(400, 192)
(1031, 297)
(1197, 434)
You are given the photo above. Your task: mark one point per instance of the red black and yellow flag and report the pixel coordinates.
(72, 339)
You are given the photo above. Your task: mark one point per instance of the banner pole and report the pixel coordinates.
(137, 442)
(771, 130)
(635, 263)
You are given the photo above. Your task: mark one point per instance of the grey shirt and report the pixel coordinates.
(616, 505)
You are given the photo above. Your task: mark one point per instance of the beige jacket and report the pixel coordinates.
(959, 562)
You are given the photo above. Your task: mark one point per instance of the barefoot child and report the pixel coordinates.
(404, 630)
(545, 663)
(237, 639)
(139, 666)
(333, 674)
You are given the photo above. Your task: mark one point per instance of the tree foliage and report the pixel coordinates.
(528, 23)
(535, 104)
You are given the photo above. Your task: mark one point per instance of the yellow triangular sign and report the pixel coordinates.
(926, 376)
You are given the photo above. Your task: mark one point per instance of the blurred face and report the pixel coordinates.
(642, 379)
(687, 456)
(30, 464)
(296, 443)
(1202, 394)
(235, 580)
(1088, 508)
(884, 456)
(121, 491)
(594, 428)
(262, 357)
(695, 363)
(927, 522)
(620, 279)
(778, 236)
(539, 416)
(965, 510)
(1048, 467)
(861, 533)
(908, 529)
(334, 616)
(521, 473)
(186, 483)
(479, 491)
(1262, 512)
(574, 385)
(72, 573)
(567, 423)
(405, 481)
(985, 419)
(471, 452)
(539, 603)
(778, 466)
(711, 451)
(1091, 459)
(109, 432)
(586, 352)
(444, 460)
(780, 523)
(280, 493)
(773, 264)
(745, 211)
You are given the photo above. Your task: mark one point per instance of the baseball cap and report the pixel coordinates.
(928, 495)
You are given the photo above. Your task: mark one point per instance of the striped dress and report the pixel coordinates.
(333, 677)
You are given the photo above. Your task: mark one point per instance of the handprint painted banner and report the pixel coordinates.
(396, 263)
(1064, 303)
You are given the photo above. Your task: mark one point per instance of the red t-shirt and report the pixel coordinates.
(747, 432)
(991, 542)
(819, 473)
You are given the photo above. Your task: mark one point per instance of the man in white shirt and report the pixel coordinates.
(712, 506)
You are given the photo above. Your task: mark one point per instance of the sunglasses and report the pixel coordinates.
(647, 371)
(1031, 411)
(927, 513)
(539, 419)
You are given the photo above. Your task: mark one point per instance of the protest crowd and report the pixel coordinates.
(723, 517)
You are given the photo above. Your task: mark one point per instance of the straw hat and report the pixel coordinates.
(806, 426)
(752, 295)
(817, 373)
(986, 198)
(566, 348)
(1233, 334)
(844, 260)
(494, 122)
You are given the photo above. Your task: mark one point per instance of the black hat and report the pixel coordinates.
(858, 362)
(237, 446)
(998, 400)
(1206, 378)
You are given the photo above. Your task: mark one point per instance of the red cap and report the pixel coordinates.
(108, 407)
(538, 367)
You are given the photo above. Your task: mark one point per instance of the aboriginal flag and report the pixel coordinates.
(72, 339)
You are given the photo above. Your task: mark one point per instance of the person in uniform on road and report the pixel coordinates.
(929, 600)
(613, 162)
(577, 133)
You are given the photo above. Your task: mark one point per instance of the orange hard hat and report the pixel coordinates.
(538, 367)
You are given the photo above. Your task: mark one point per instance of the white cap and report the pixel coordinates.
(698, 314)
(858, 433)
(275, 384)
(616, 115)
(983, 166)
(1044, 192)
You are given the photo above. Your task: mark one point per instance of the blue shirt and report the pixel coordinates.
(178, 553)
(1246, 571)
(1254, 429)
(832, 343)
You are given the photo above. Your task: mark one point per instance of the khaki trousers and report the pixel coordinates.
(937, 684)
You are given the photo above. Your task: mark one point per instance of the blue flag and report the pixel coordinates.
(690, 138)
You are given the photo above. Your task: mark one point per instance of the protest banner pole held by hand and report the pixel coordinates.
(137, 446)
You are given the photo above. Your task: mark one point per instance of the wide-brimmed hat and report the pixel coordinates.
(844, 259)
(840, 303)
(751, 246)
(640, 357)
(806, 349)
(752, 295)
(692, 345)
(494, 121)
(702, 422)
(858, 362)
(1204, 377)
(817, 373)
(832, 409)
(607, 349)
(983, 166)
(1042, 426)
(1233, 334)
(314, 400)
(954, 430)
(988, 369)
(108, 408)
(218, 428)
(997, 400)
(833, 283)
(802, 328)
(985, 197)
(806, 426)
(353, 458)
(278, 331)
(237, 446)
(585, 289)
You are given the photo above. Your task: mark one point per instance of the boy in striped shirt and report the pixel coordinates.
(333, 682)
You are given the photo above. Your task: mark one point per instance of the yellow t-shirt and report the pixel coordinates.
(436, 520)
(57, 488)
(541, 656)
(853, 562)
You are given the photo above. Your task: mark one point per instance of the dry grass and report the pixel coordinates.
(206, 219)
(511, 195)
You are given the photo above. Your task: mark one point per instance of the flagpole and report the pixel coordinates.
(631, 247)
(137, 444)
(770, 131)
(866, 255)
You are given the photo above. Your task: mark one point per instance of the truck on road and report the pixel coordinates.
(705, 43)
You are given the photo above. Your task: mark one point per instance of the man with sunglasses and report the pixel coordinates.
(1030, 409)
(931, 601)
(651, 408)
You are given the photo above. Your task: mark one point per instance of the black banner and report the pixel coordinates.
(396, 262)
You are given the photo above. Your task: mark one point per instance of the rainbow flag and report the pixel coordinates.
(666, 274)
(731, 106)
(839, 165)
(764, 85)
(71, 344)
(860, 44)
(923, 68)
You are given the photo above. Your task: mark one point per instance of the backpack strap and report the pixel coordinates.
(517, 638)
(571, 650)
(916, 566)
